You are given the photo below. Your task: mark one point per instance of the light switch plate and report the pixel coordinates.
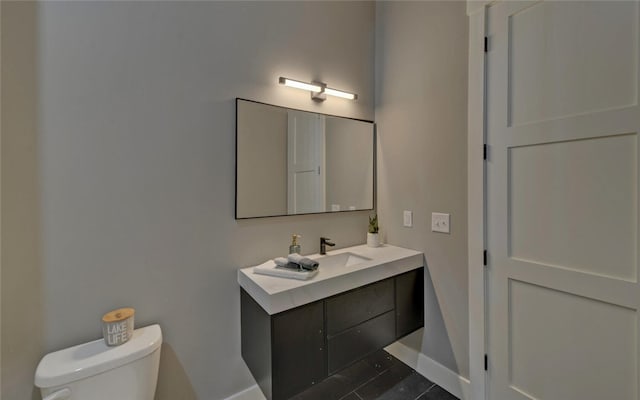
(408, 218)
(440, 222)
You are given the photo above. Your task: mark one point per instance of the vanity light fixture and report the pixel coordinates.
(319, 90)
(299, 85)
(340, 93)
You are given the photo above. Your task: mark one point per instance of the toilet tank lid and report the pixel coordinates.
(78, 362)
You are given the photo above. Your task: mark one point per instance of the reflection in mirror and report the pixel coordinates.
(297, 162)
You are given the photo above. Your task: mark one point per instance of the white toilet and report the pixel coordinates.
(94, 371)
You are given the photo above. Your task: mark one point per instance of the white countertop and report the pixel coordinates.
(276, 294)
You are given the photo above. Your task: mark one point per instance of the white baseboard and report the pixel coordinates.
(434, 371)
(251, 393)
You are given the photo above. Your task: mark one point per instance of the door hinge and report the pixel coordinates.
(486, 363)
(484, 152)
(486, 44)
(484, 258)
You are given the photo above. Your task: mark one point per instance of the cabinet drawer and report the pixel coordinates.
(361, 340)
(352, 308)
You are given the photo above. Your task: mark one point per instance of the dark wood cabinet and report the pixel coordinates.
(285, 352)
(409, 293)
(290, 351)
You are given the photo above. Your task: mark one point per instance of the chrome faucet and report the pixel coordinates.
(324, 242)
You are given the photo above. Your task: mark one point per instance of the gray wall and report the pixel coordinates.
(421, 103)
(22, 325)
(130, 169)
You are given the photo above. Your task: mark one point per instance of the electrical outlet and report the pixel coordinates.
(408, 219)
(440, 222)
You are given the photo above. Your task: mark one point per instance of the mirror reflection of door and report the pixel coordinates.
(305, 162)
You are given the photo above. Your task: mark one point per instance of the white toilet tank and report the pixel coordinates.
(94, 371)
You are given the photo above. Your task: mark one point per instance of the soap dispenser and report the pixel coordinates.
(295, 247)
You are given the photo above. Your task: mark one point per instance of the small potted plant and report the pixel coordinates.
(373, 237)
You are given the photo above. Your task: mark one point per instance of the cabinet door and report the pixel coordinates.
(409, 302)
(298, 349)
(256, 340)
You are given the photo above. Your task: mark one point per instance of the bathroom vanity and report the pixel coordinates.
(297, 333)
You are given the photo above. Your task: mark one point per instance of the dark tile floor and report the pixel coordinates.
(378, 377)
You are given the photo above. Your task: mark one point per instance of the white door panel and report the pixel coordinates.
(562, 200)
(552, 331)
(305, 162)
(569, 58)
(581, 190)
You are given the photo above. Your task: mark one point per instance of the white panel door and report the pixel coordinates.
(562, 200)
(305, 162)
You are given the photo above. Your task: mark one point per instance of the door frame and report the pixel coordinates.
(477, 11)
(476, 182)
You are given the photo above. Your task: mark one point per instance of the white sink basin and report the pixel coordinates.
(340, 270)
(341, 260)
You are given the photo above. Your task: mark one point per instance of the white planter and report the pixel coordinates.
(373, 239)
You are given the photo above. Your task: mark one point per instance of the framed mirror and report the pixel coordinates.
(291, 162)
